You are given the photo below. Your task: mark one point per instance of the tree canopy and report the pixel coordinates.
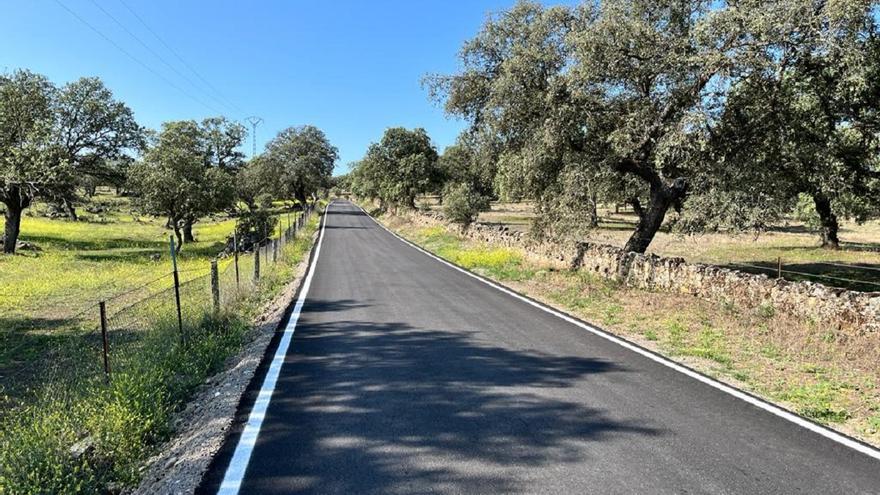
(301, 160)
(626, 97)
(223, 139)
(811, 120)
(174, 181)
(402, 165)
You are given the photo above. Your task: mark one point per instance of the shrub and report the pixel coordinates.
(253, 226)
(462, 203)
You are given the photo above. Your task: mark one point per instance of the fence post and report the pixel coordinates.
(102, 306)
(257, 263)
(177, 290)
(215, 285)
(274, 250)
(779, 267)
(235, 257)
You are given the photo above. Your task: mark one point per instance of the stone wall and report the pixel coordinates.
(827, 306)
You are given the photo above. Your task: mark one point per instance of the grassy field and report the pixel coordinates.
(73, 430)
(858, 261)
(829, 376)
(48, 294)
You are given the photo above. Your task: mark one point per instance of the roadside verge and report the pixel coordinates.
(211, 415)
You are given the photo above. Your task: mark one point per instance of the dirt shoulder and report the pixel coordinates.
(202, 427)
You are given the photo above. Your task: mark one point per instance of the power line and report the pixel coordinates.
(129, 55)
(149, 49)
(180, 59)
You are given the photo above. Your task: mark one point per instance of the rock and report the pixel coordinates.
(23, 245)
(83, 447)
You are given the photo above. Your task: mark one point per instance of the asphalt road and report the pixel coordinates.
(407, 376)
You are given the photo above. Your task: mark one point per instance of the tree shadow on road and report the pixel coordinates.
(387, 408)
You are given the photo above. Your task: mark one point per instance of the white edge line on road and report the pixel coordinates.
(234, 475)
(739, 394)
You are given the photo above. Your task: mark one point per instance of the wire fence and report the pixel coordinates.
(110, 335)
(871, 282)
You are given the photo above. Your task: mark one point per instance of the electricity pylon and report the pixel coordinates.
(254, 121)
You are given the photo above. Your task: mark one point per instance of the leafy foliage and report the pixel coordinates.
(95, 130)
(300, 161)
(52, 139)
(625, 100)
(223, 138)
(809, 121)
(462, 203)
(253, 227)
(397, 168)
(174, 180)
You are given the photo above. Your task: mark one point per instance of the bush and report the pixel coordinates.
(462, 203)
(253, 226)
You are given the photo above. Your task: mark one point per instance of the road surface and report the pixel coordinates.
(405, 375)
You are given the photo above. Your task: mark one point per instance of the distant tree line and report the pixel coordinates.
(731, 114)
(58, 142)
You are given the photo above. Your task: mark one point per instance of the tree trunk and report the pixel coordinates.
(593, 210)
(188, 231)
(302, 200)
(828, 221)
(13, 226)
(70, 209)
(662, 197)
(178, 236)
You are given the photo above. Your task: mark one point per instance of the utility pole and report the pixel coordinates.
(254, 121)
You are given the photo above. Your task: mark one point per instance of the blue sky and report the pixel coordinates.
(352, 68)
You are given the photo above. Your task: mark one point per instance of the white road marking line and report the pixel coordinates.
(234, 475)
(739, 394)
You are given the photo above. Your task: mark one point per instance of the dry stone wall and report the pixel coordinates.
(829, 307)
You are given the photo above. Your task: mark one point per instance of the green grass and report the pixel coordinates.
(96, 260)
(709, 344)
(49, 295)
(500, 263)
(122, 422)
(818, 401)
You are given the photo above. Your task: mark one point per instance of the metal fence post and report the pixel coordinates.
(275, 250)
(177, 291)
(257, 263)
(779, 267)
(215, 285)
(235, 258)
(102, 306)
